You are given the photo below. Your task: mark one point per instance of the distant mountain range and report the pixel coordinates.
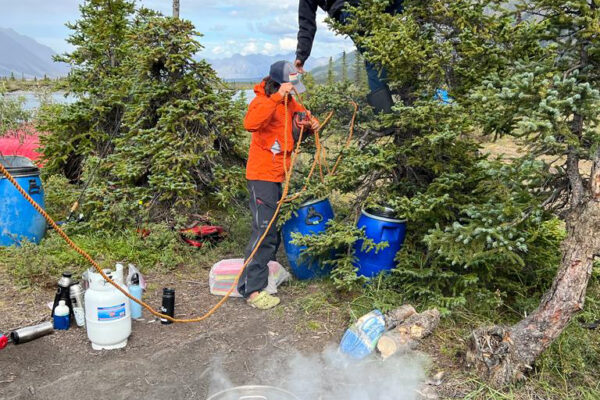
(23, 56)
(255, 66)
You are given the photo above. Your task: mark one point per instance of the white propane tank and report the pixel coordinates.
(107, 313)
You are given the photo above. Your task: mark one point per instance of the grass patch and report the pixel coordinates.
(162, 250)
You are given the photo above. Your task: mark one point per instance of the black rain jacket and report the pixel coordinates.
(307, 14)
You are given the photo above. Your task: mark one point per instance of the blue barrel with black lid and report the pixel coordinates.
(18, 219)
(309, 219)
(380, 225)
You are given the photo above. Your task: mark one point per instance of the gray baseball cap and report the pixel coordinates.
(283, 71)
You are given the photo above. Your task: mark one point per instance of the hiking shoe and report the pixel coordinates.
(264, 301)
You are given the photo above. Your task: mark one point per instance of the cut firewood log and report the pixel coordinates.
(407, 335)
(397, 316)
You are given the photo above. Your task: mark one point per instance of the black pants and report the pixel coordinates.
(263, 202)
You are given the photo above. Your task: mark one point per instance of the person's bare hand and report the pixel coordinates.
(314, 124)
(299, 66)
(285, 89)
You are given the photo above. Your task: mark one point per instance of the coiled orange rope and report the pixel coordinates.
(288, 175)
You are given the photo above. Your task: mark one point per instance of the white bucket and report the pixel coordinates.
(107, 312)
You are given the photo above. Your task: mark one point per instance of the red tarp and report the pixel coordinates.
(23, 142)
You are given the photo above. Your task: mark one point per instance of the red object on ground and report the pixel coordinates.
(3, 341)
(23, 142)
(197, 235)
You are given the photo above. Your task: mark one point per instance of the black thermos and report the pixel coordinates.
(168, 304)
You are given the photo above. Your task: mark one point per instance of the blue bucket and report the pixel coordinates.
(380, 229)
(18, 219)
(311, 218)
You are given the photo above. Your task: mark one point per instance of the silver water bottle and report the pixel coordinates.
(29, 333)
(76, 293)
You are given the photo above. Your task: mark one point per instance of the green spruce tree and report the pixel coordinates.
(330, 72)
(545, 93)
(482, 229)
(152, 131)
(359, 66)
(344, 67)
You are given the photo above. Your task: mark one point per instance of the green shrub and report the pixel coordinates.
(154, 132)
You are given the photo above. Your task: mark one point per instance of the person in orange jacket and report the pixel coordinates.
(265, 171)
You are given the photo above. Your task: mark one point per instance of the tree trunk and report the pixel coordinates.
(175, 8)
(503, 354)
(577, 189)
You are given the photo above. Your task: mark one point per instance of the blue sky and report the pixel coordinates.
(229, 26)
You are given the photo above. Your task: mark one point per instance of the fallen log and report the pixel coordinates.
(397, 316)
(407, 335)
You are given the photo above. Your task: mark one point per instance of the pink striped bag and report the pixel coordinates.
(222, 276)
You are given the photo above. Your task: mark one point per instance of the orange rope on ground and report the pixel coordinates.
(210, 312)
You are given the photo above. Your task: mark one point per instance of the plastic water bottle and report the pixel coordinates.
(136, 291)
(61, 316)
(361, 338)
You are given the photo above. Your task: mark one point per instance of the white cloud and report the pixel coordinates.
(287, 44)
(280, 25)
(217, 50)
(268, 48)
(250, 48)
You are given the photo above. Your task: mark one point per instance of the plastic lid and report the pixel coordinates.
(67, 274)
(62, 303)
(19, 166)
(383, 211)
(135, 279)
(168, 291)
(3, 341)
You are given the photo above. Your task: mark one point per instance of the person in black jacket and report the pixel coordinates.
(379, 98)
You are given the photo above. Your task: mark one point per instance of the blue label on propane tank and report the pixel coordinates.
(111, 313)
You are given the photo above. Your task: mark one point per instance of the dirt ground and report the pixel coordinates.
(176, 361)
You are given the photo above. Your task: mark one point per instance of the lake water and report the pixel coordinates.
(249, 95)
(32, 100)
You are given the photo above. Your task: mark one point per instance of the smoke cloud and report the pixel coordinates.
(330, 375)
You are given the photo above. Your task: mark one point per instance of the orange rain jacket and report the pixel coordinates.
(266, 120)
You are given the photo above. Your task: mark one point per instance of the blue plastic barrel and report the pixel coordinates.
(18, 219)
(311, 218)
(379, 228)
